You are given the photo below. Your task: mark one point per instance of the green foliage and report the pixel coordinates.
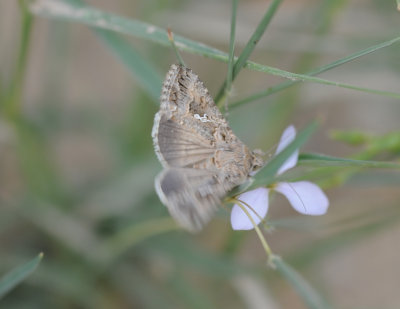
(17, 275)
(251, 44)
(77, 166)
(70, 11)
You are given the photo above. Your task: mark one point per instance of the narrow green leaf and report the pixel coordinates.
(76, 12)
(353, 137)
(266, 175)
(231, 59)
(17, 275)
(302, 77)
(10, 105)
(324, 160)
(142, 70)
(176, 51)
(251, 44)
(66, 278)
(310, 297)
(96, 18)
(316, 71)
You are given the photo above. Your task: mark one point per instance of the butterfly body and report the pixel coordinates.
(201, 156)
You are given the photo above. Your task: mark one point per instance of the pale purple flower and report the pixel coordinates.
(304, 196)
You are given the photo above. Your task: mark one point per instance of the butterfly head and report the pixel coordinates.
(258, 161)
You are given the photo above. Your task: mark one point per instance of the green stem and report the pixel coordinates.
(231, 58)
(11, 105)
(99, 19)
(177, 54)
(316, 71)
(251, 44)
(260, 235)
(252, 209)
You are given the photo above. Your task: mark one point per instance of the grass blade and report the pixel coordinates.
(324, 160)
(232, 45)
(17, 275)
(251, 44)
(97, 18)
(262, 26)
(10, 104)
(142, 70)
(75, 11)
(266, 175)
(316, 71)
(231, 59)
(310, 297)
(303, 78)
(177, 54)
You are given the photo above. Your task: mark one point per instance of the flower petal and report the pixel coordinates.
(306, 197)
(258, 200)
(287, 137)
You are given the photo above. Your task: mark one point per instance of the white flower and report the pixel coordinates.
(304, 196)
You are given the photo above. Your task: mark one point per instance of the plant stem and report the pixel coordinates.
(11, 104)
(260, 235)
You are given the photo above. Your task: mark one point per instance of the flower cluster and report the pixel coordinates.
(304, 196)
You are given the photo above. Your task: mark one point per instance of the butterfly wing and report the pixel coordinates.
(202, 158)
(191, 195)
(179, 145)
(184, 93)
(184, 128)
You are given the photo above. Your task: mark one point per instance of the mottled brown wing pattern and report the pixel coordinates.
(180, 146)
(188, 118)
(202, 158)
(191, 195)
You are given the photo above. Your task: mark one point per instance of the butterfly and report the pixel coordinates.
(202, 158)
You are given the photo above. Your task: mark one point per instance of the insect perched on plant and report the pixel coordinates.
(202, 158)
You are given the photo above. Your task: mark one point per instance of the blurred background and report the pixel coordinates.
(77, 164)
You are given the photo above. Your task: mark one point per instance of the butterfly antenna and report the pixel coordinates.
(271, 149)
(177, 54)
(298, 195)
